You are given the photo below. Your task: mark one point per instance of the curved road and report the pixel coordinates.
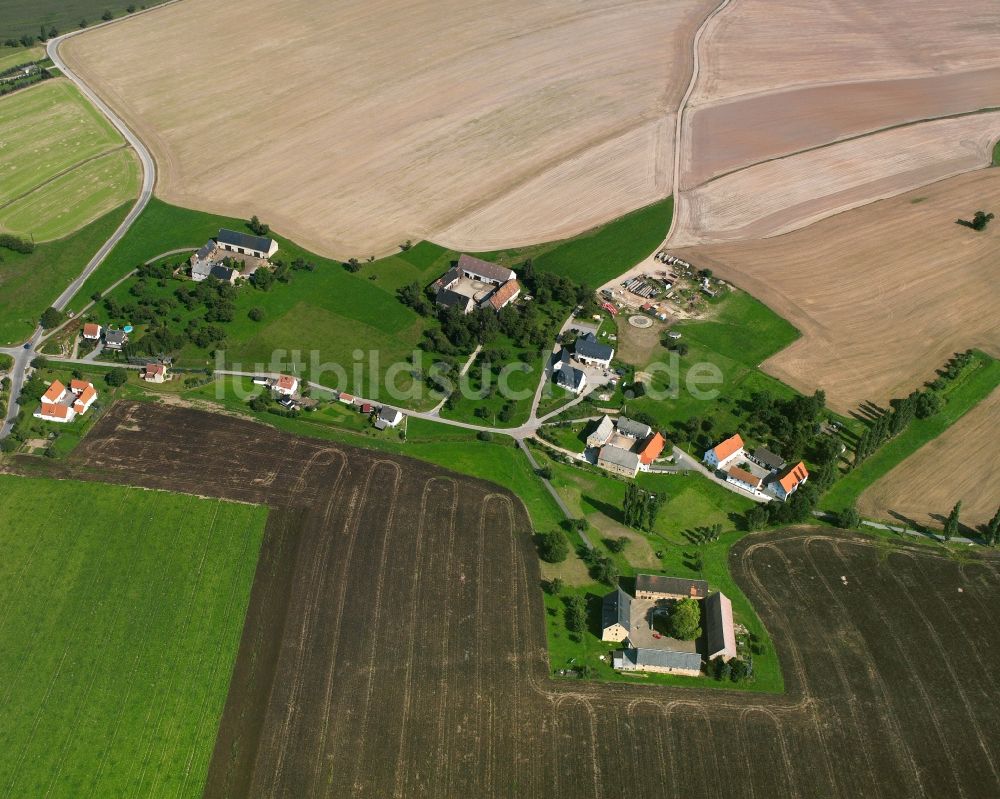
(23, 355)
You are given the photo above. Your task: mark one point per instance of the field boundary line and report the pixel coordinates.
(62, 173)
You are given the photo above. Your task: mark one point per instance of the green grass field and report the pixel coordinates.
(123, 611)
(11, 57)
(52, 179)
(996, 153)
(18, 17)
(29, 283)
(961, 396)
(603, 253)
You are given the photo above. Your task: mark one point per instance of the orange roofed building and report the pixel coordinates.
(790, 480)
(651, 449)
(721, 455)
(60, 405)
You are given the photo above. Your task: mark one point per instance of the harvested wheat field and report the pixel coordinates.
(787, 121)
(754, 46)
(785, 194)
(353, 126)
(883, 295)
(960, 464)
(395, 645)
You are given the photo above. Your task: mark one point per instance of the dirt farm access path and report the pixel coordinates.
(395, 645)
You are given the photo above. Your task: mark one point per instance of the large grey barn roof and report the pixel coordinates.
(449, 298)
(670, 585)
(589, 347)
(237, 239)
(768, 458)
(620, 457)
(491, 271)
(616, 609)
(664, 658)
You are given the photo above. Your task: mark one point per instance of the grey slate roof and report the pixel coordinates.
(388, 414)
(632, 429)
(670, 585)
(769, 459)
(603, 430)
(500, 274)
(567, 375)
(589, 347)
(222, 272)
(664, 658)
(620, 457)
(448, 299)
(448, 278)
(205, 251)
(235, 238)
(115, 337)
(616, 609)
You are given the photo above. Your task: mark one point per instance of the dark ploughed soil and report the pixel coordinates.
(395, 645)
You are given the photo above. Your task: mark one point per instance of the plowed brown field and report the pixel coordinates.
(960, 464)
(395, 645)
(883, 294)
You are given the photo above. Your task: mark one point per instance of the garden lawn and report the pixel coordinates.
(30, 283)
(961, 395)
(123, 610)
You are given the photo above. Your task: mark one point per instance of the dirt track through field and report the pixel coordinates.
(395, 645)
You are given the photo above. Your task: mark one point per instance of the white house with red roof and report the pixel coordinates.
(286, 385)
(155, 373)
(92, 331)
(790, 480)
(721, 455)
(63, 405)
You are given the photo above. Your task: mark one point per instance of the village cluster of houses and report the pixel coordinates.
(474, 283)
(761, 473)
(252, 253)
(587, 351)
(113, 339)
(629, 620)
(63, 405)
(624, 446)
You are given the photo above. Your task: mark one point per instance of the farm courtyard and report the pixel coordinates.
(401, 604)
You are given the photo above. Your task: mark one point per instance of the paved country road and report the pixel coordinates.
(22, 357)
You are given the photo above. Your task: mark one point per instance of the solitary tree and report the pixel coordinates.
(576, 614)
(555, 586)
(553, 546)
(951, 524)
(51, 318)
(685, 619)
(107, 16)
(848, 518)
(116, 377)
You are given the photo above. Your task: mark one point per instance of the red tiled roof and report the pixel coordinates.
(744, 476)
(504, 294)
(652, 448)
(91, 330)
(728, 447)
(87, 395)
(154, 369)
(286, 382)
(790, 479)
(53, 392)
(79, 386)
(56, 410)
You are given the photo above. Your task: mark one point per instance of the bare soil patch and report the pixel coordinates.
(395, 645)
(789, 193)
(736, 133)
(960, 464)
(640, 345)
(352, 127)
(883, 295)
